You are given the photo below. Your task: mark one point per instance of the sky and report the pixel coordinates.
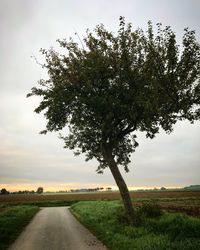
(28, 159)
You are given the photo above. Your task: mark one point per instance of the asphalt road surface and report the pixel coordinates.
(55, 228)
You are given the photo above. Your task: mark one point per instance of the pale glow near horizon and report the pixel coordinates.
(67, 187)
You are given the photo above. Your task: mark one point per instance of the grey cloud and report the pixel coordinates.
(25, 27)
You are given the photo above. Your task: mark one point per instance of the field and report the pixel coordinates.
(177, 201)
(98, 196)
(17, 210)
(153, 229)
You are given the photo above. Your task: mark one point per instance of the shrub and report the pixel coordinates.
(151, 210)
(121, 216)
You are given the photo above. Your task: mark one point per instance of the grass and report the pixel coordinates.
(12, 221)
(40, 203)
(14, 216)
(107, 221)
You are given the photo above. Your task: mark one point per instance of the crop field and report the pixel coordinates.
(98, 196)
(174, 201)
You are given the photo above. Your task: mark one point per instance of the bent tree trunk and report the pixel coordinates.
(121, 185)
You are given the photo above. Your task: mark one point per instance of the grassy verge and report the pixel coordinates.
(167, 232)
(12, 221)
(40, 203)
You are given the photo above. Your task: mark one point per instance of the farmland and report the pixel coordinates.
(173, 201)
(98, 196)
(17, 210)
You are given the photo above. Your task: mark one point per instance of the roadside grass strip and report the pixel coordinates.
(152, 230)
(13, 219)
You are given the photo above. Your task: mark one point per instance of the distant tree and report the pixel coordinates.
(192, 187)
(40, 190)
(162, 188)
(4, 191)
(117, 84)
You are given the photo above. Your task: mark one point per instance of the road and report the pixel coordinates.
(55, 228)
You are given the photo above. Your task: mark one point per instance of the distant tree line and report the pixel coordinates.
(24, 192)
(4, 191)
(192, 187)
(40, 190)
(89, 189)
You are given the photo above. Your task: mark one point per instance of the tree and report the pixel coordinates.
(40, 190)
(116, 84)
(4, 191)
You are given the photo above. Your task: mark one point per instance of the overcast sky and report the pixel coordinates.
(28, 159)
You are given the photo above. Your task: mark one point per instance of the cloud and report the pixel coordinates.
(26, 156)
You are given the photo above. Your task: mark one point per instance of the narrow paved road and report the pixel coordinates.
(55, 228)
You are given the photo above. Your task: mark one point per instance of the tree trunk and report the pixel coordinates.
(121, 185)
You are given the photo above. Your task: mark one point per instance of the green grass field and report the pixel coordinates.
(12, 221)
(167, 232)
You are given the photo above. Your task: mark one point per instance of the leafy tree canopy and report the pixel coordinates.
(4, 191)
(116, 84)
(40, 190)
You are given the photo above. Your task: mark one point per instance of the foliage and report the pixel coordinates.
(4, 191)
(192, 187)
(40, 190)
(24, 192)
(116, 84)
(177, 226)
(169, 231)
(151, 209)
(12, 221)
(147, 209)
